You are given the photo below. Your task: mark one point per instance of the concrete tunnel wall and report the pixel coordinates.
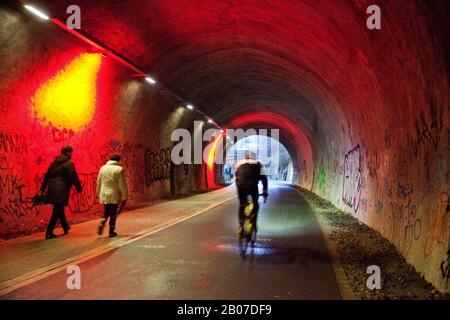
(364, 112)
(128, 117)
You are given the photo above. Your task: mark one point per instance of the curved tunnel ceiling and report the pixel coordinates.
(363, 113)
(230, 58)
(313, 62)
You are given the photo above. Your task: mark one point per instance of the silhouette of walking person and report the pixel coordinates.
(58, 181)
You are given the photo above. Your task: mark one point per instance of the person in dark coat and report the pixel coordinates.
(58, 181)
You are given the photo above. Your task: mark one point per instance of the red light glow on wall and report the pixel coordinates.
(210, 175)
(287, 127)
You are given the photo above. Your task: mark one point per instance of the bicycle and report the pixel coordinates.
(247, 231)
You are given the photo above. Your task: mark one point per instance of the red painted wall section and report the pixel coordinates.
(55, 92)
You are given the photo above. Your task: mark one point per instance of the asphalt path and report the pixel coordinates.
(200, 259)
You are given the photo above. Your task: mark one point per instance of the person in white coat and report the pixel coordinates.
(112, 191)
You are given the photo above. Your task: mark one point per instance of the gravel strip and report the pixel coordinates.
(359, 246)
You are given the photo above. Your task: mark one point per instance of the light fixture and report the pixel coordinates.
(37, 12)
(150, 80)
(105, 51)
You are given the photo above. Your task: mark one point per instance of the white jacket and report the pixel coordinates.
(111, 184)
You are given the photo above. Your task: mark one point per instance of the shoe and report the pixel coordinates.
(112, 234)
(100, 231)
(50, 236)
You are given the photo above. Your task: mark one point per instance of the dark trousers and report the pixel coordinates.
(58, 213)
(111, 213)
(243, 198)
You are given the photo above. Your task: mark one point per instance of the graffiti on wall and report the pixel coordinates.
(428, 132)
(351, 190)
(96, 155)
(15, 201)
(439, 229)
(132, 162)
(180, 178)
(24, 161)
(61, 135)
(321, 180)
(413, 225)
(86, 200)
(12, 143)
(157, 166)
(395, 199)
(406, 210)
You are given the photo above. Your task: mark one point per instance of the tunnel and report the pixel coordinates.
(275, 158)
(363, 113)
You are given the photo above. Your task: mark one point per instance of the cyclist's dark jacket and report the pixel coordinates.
(248, 174)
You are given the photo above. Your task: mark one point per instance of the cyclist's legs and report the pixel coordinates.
(255, 194)
(242, 195)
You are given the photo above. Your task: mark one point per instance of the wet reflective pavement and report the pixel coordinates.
(200, 259)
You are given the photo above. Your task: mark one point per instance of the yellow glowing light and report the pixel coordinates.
(212, 152)
(68, 99)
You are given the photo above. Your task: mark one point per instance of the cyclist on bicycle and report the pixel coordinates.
(248, 174)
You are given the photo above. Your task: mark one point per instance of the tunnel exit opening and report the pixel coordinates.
(276, 160)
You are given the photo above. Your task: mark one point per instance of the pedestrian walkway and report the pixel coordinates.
(200, 259)
(25, 259)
